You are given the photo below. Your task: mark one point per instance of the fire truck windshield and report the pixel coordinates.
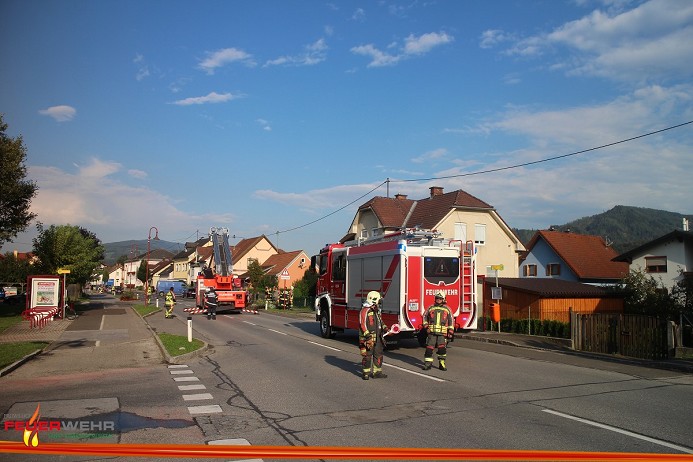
(445, 269)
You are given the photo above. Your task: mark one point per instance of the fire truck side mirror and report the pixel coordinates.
(495, 312)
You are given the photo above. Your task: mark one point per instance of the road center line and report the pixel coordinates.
(430, 377)
(623, 432)
(277, 332)
(324, 346)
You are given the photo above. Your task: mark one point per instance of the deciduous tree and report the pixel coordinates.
(16, 191)
(67, 246)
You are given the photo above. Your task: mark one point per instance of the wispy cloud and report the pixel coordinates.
(60, 113)
(312, 54)
(264, 124)
(649, 42)
(211, 98)
(429, 156)
(413, 46)
(219, 58)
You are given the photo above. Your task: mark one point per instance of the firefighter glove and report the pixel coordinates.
(369, 342)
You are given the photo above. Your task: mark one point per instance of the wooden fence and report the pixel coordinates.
(628, 335)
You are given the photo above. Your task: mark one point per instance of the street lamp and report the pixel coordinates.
(146, 270)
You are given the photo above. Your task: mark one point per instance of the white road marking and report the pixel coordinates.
(181, 372)
(186, 379)
(191, 387)
(251, 323)
(430, 377)
(177, 366)
(235, 442)
(324, 346)
(277, 332)
(204, 409)
(623, 432)
(198, 396)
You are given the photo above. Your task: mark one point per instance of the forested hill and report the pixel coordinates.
(133, 248)
(623, 226)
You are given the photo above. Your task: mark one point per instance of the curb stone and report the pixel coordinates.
(18, 363)
(204, 349)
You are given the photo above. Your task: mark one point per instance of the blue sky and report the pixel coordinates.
(265, 116)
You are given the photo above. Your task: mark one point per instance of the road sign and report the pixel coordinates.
(284, 275)
(497, 267)
(63, 271)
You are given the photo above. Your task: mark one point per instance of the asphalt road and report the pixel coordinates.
(272, 380)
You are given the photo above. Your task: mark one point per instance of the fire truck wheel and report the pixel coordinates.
(325, 328)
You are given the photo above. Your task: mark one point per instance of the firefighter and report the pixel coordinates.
(170, 301)
(371, 342)
(211, 301)
(438, 323)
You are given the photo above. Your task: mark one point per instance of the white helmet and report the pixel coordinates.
(373, 297)
(440, 294)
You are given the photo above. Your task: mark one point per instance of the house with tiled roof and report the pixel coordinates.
(668, 258)
(572, 257)
(457, 215)
(257, 248)
(131, 266)
(288, 267)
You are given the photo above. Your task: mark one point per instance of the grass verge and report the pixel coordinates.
(177, 345)
(12, 352)
(145, 310)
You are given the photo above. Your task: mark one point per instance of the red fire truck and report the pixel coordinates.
(229, 288)
(407, 268)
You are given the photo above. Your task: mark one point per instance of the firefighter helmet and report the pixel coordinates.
(440, 294)
(373, 297)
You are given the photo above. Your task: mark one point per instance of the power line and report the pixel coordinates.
(562, 156)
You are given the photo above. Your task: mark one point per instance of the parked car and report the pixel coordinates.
(17, 299)
(2, 293)
(190, 293)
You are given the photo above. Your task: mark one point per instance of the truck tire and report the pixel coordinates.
(325, 328)
(161, 294)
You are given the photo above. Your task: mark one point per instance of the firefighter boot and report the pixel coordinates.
(427, 365)
(442, 365)
(365, 376)
(379, 375)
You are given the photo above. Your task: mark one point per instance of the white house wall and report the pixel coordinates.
(677, 260)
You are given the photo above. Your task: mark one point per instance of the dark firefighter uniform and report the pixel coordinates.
(371, 340)
(170, 301)
(438, 323)
(211, 302)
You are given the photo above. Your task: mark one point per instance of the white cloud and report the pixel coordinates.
(211, 98)
(139, 174)
(93, 197)
(359, 15)
(433, 155)
(225, 56)
(60, 113)
(647, 172)
(264, 124)
(313, 53)
(648, 42)
(425, 43)
(413, 46)
(317, 199)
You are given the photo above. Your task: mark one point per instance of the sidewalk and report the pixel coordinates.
(107, 334)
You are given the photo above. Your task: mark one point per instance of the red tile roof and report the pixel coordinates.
(587, 256)
(425, 213)
(244, 246)
(278, 262)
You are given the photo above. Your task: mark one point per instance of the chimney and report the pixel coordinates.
(436, 190)
(400, 196)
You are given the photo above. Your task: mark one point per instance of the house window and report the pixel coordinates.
(553, 269)
(656, 264)
(364, 234)
(529, 270)
(375, 232)
(479, 234)
(461, 232)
